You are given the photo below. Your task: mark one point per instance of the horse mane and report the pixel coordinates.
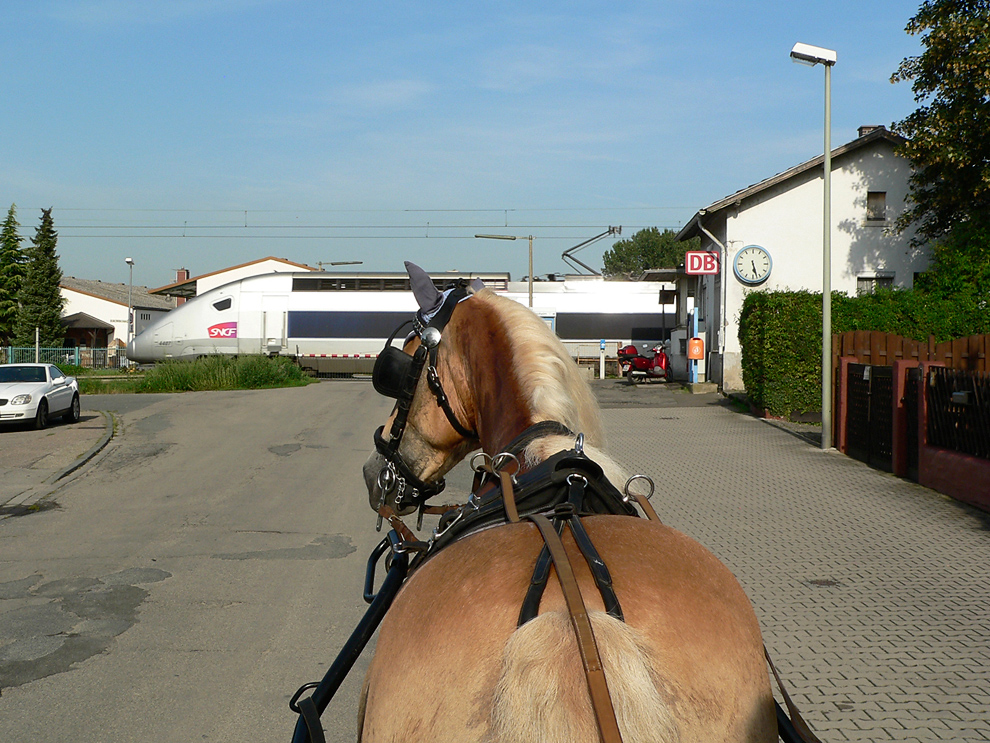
(546, 373)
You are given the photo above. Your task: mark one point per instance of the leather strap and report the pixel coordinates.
(644, 503)
(311, 716)
(601, 700)
(599, 570)
(509, 497)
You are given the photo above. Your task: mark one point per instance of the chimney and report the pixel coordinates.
(181, 274)
(869, 129)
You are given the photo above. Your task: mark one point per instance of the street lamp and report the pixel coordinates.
(130, 311)
(518, 237)
(812, 55)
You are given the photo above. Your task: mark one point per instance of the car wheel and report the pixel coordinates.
(41, 418)
(72, 415)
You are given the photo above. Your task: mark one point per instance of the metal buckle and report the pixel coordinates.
(472, 503)
(627, 494)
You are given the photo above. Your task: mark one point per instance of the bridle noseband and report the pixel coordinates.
(397, 375)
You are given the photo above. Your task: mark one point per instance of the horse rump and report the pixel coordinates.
(542, 693)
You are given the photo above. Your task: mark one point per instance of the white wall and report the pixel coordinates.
(786, 219)
(101, 309)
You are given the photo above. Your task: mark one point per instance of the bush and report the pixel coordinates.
(781, 352)
(222, 373)
(780, 335)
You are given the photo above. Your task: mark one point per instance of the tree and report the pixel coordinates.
(648, 248)
(12, 271)
(41, 300)
(948, 143)
(960, 264)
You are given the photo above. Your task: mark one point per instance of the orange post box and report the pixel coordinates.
(696, 348)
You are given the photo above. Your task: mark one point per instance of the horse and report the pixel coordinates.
(684, 663)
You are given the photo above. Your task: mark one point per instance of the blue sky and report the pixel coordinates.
(202, 134)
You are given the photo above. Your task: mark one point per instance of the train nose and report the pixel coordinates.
(139, 349)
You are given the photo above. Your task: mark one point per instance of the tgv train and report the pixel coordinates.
(338, 322)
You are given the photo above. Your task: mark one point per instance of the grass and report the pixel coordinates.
(208, 373)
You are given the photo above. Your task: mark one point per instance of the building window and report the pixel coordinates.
(876, 206)
(869, 284)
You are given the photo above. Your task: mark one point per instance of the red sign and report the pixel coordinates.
(700, 262)
(223, 330)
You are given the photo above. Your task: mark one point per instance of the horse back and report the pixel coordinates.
(450, 626)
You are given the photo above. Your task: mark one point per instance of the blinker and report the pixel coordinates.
(391, 369)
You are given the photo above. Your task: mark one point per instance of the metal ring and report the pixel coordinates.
(625, 488)
(386, 480)
(499, 460)
(574, 476)
(579, 444)
(482, 467)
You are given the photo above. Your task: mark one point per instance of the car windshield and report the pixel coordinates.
(22, 374)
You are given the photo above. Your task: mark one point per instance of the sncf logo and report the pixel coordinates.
(223, 330)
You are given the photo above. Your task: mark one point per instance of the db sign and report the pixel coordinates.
(700, 262)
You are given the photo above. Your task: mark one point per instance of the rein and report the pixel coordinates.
(392, 363)
(553, 495)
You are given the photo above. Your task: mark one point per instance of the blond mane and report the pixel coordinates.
(546, 373)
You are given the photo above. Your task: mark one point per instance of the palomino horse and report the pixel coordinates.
(686, 662)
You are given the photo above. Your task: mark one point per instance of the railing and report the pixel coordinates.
(90, 358)
(921, 420)
(870, 407)
(883, 349)
(959, 411)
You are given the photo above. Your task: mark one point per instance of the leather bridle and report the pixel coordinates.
(397, 374)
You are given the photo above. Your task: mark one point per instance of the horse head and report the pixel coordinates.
(477, 370)
(432, 425)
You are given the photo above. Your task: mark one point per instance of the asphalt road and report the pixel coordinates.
(207, 563)
(203, 566)
(211, 559)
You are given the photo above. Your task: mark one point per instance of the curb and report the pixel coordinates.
(51, 483)
(104, 440)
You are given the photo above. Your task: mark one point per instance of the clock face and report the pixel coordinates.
(752, 264)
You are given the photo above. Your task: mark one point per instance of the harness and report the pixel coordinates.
(554, 495)
(396, 374)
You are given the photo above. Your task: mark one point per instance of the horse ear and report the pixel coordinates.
(476, 286)
(427, 296)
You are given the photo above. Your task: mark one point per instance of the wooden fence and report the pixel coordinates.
(883, 349)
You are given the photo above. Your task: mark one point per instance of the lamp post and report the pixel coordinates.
(518, 237)
(812, 55)
(130, 311)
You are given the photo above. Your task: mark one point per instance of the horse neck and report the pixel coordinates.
(490, 363)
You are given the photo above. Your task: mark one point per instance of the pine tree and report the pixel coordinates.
(41, 300)
(12, 272)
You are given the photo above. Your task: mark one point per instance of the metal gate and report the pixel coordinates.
(911, 415)
(870, 425)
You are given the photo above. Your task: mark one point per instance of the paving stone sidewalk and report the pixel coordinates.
(873, 592)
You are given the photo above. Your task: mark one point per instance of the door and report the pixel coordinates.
(273, 335)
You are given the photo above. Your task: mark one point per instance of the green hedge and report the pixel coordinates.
(781, 337)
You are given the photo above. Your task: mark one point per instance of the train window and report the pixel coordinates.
(223, 304)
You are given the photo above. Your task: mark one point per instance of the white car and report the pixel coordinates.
(36, 393)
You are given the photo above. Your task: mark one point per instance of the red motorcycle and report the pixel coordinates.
(636, 367)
